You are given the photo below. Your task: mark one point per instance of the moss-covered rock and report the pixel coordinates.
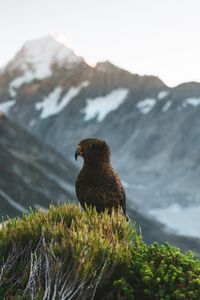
(66, 253)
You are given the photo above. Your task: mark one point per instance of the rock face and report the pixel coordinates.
(153, 130)
(31, 173)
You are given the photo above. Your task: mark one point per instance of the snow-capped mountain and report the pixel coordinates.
(37, 60)
(153, 130)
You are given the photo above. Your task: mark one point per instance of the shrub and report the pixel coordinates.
(66, 253)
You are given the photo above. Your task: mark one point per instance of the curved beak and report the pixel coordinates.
(78, 152)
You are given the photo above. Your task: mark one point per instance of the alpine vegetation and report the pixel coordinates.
(66, 253)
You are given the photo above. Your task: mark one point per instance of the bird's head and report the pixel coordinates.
(93, 150)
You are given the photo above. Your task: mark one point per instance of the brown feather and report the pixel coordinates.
(97, 184)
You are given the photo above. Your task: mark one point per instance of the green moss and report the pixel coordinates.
(66, 252)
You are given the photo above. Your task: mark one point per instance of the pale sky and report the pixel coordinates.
(158, 37)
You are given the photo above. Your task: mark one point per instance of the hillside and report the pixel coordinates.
(31, 173)
(69, 254)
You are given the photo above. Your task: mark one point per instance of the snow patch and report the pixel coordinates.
(12, 92)
(32, 123)
(146, 105)
(72, 93)
(51, 105)
(6, 106)
(184, 220)
(19, 81)
(166, 106)
(191, 101)
(162, 95)
(48, 106)
(100, 107)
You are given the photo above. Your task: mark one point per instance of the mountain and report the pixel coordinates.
(153, 130)
(32, 174)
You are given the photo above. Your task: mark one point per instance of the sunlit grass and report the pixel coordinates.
(67, 253)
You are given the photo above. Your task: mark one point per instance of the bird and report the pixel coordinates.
(98, 184)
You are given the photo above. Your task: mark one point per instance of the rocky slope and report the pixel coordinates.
(153, 130)
(31, 173)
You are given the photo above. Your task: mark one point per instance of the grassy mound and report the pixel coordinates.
(65, 253)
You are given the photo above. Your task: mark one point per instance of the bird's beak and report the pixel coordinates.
(78, 152)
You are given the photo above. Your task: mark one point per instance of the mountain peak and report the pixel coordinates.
(55, 46)
(105, 66)
(39, 55)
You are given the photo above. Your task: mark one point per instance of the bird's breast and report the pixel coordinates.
(94, 179)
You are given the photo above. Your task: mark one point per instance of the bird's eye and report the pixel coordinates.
(89, 146)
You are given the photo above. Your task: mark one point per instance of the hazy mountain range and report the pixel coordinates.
(153, 130)
(32, 174)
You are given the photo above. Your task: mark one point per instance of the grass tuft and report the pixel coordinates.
(67, 253)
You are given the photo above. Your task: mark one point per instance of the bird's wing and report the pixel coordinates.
(121, 191)
(123, 201)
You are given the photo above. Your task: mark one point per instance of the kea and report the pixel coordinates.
(97, 184)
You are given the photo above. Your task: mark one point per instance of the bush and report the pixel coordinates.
(65, 253)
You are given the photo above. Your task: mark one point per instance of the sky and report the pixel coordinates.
(152, 37)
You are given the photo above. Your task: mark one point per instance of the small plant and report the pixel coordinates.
(66, 253)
